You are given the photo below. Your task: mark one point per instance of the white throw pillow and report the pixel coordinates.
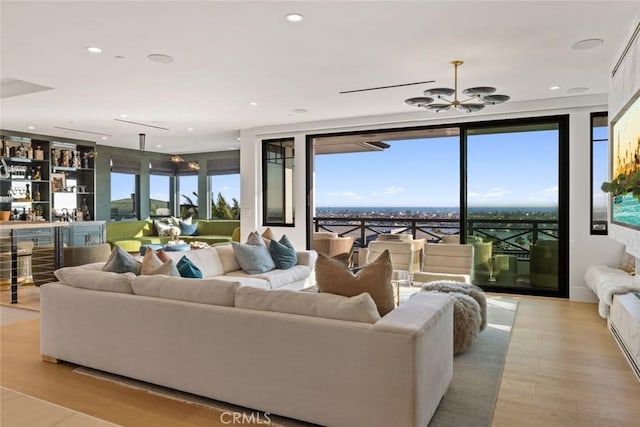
(204, 291)
(207, 260)
(227, 258)
(90, 278)
(360, 308)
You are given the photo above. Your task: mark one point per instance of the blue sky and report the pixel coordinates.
(123, 185)
(509, 169)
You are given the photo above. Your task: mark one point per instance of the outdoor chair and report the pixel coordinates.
(405, 254)
(444, 261)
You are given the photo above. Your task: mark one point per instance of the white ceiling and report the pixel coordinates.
(228, 54)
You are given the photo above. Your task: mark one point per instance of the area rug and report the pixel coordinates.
(477, 373)
(469, 401)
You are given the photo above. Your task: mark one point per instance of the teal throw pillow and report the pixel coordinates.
(253, 259)
(121, 261)
(283, 253)
(187, 268)
(188, 229)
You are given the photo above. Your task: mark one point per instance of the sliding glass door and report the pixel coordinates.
(514, 215)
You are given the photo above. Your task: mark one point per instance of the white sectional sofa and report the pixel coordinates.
(220, 262)
(316, 357)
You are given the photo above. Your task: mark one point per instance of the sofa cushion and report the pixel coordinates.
(253, 258)
(115, 229)
(204, 291)
(374, 278)
(187, 268)
(277, 278)
(227, 258)
(245, 279)
(360, 308)
(207, 260)
(90, 277)
(120, 261)
(283, 253)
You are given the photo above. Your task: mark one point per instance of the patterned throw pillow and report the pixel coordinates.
(187, 268)
(150, 261)
(166, 269)
(374, 278)
(120, 261)
(283, 253)
(628, 263)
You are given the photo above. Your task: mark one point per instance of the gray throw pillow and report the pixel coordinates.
(253, 259)
(120, 261)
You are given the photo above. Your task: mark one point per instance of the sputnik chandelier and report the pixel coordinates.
(439, 99)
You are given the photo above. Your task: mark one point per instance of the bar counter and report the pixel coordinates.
(41, 241)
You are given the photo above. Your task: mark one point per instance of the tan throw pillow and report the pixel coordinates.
(150, 262)
(374, 279)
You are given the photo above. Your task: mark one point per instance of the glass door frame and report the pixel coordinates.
(562, 122)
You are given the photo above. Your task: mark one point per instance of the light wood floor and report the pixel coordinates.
(563, 369)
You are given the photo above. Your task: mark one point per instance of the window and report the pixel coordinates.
(124, 203)
(599, 172)
(225, 196)
(159, 195)
(277, 181)
(188, 191)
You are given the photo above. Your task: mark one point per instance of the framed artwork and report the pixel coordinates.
(625, 158)
(57, 182)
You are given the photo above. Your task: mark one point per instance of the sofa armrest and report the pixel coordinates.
(418, 313)
(307, 258)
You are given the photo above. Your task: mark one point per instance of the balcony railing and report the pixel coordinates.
(509, 236)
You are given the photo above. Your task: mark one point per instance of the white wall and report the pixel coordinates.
(584, 248)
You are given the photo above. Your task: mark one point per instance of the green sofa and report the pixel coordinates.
(131, 235)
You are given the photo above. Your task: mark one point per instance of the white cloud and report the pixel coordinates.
(389, 190)
(342, 194)
(494, 193)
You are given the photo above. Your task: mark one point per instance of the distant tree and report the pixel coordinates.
(222, 210)
(189, 208)
(235, 209)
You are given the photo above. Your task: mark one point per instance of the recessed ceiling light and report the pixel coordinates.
(190, 129)
(123, 115)
(94, 49)
(554, 88)
(580, 89)
(158, 146)
(294, 17)
(300, 111)
(118, 57)
(104, 138)
(253, 104)
(31, 127)
(160, 58)
(587, 44)
(238, 138)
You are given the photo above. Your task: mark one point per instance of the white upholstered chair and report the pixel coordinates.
(446, 262)
(405, 254)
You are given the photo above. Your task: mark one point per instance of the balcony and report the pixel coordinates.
(503, 260)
